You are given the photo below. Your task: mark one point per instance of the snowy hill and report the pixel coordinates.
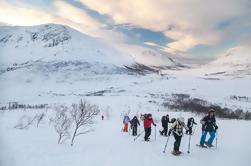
(54, 42)
(236, 61)
(60, 44)
(234, 64)
(49, 48)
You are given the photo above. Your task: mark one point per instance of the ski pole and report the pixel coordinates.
(139, 129)
(155, 133)
(164, 151)
(129, 129)
(189, 142)
(138, 136)
(194, 129)
(216, 142)
(188, 150)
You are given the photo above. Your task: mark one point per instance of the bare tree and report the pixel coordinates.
(24, 122)
(62, 124)
(82, 115)
(39, 118)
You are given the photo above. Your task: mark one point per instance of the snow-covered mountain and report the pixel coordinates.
(55, 42)
(55, 47)
(235, 62)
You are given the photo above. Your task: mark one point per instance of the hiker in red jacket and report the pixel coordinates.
(148, 121)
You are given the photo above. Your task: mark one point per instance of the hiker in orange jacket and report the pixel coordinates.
(126, 120)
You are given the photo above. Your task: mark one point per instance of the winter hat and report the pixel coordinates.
(181, 119)
(211, 110)
(167, 115)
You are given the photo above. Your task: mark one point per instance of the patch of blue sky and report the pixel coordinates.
(212, 50)
(137, 35)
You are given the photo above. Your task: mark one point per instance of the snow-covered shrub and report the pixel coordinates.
(62, 124)
(39, 118)
(184, 102)
(24, 122)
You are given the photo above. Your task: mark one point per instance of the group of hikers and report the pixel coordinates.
(177, 125)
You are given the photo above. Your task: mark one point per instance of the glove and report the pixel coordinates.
(216, 127)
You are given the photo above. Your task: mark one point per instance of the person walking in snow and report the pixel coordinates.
(190, 123)
(148, 121)
(208, 126)
(134, 124)
(164, 122)
(126, 120)
(143, 117)
(177, 130)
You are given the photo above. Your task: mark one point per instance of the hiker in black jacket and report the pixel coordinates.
(164, 122)
(208, 126)
(190, 123)
(134, 125)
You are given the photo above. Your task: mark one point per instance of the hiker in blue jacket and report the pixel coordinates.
(208, 126)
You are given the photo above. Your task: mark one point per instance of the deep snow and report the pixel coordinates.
(108, 146)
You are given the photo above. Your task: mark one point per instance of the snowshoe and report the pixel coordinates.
(201, 146)
(160, 133)
(209, 145)
(147, 140)
(176, 153)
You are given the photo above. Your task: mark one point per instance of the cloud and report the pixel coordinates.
(188, 23)
(23, 15)
(74, 14)
(62, 13)
(151, 44)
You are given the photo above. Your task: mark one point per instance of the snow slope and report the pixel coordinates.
(234, 63)
(108, 146)
(58, 42)
(55, 42)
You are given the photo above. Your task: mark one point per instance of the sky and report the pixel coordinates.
(189, 28)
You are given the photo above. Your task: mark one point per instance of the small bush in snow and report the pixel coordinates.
(62, 124)
(82, 115)
(39, 118)
(24, 122)
(184, 102)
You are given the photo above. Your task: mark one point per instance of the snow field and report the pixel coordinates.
(108, 146)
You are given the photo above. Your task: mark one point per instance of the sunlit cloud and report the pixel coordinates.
(23, 15)
(188, 23)
(63, 13)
